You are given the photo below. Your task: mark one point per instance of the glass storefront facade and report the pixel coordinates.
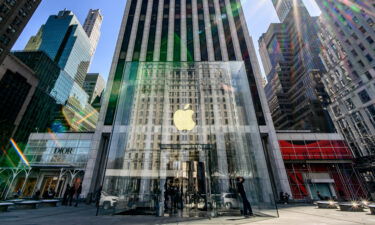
(182, 134)
(54, 161)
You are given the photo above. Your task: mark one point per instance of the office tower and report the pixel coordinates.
(295, 92)
(70, 109)
(196, 56)
(94, 86)
(92, 27)
(66, 43)
(17, 86)
(14, 16)
(347, 31)
(283, 7)
(35, 41)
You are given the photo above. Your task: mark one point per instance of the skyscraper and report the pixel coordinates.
(191, 55)
(18, 84)
(66, 43)
(347, 31)
(283, 7)
(94, 86)
(14, 16)
(92, 27)
(290, 52)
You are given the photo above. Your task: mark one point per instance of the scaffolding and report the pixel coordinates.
(347, 184)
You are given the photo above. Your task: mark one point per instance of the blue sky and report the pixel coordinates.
(259, 14)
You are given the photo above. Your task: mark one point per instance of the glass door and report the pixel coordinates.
(186, 192)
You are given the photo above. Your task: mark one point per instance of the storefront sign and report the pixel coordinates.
(64, 151)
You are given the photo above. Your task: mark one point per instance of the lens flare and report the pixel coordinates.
(19, 152)
(86, 117)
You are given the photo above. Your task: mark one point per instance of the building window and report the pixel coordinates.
(4, 39)
(363, 95)
(354, 53)
(336, 111)
(369, 40)
(349, 104)
(370, 22)
(362, 29)
(369, 58)
(368, 75)
(361, 47)
(371, 113)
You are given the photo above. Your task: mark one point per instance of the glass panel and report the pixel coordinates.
(183, 134)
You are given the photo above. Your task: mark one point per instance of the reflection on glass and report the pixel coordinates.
(183, 133)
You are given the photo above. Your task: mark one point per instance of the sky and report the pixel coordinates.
(259, 14)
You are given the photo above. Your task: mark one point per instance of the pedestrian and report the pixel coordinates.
(247, 211)
(66, 195)
(71, 195)
(98, 196)
(19, 193)
(45, 194)
(77, 194)
(281, 197)
(36, 195)
(286, 198)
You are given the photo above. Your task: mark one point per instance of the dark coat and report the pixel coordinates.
(79, 190)
(241, 190)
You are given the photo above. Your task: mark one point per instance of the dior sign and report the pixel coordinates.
(63, 151)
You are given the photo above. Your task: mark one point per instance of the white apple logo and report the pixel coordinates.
(183, 119)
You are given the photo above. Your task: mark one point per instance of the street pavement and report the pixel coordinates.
(85, 215)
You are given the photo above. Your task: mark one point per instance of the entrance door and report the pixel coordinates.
(186, 190)
(322, 188)
(49, 183)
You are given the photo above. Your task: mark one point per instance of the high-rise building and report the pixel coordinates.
(295, 92)
(92, 27)
(14, 16)
(18, 84)
(176, 57)
(70, 109)
(35, 41)
(347, 31)
(66, 43)
(94, 86)
(283, 7)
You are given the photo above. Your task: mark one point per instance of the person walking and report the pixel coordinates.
(98, 195)
(66, 195)
(247, 211)
(71, 195)
(77, 194)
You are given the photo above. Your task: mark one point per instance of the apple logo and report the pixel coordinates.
(183, 119)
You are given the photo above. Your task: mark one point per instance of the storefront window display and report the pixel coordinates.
(183, 133)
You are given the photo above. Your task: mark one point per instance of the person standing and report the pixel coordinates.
(286, 198)
(77, 194)
(247, 211)
(282, 197)
(37, 195)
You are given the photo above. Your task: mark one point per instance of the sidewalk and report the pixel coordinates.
(85, 215)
